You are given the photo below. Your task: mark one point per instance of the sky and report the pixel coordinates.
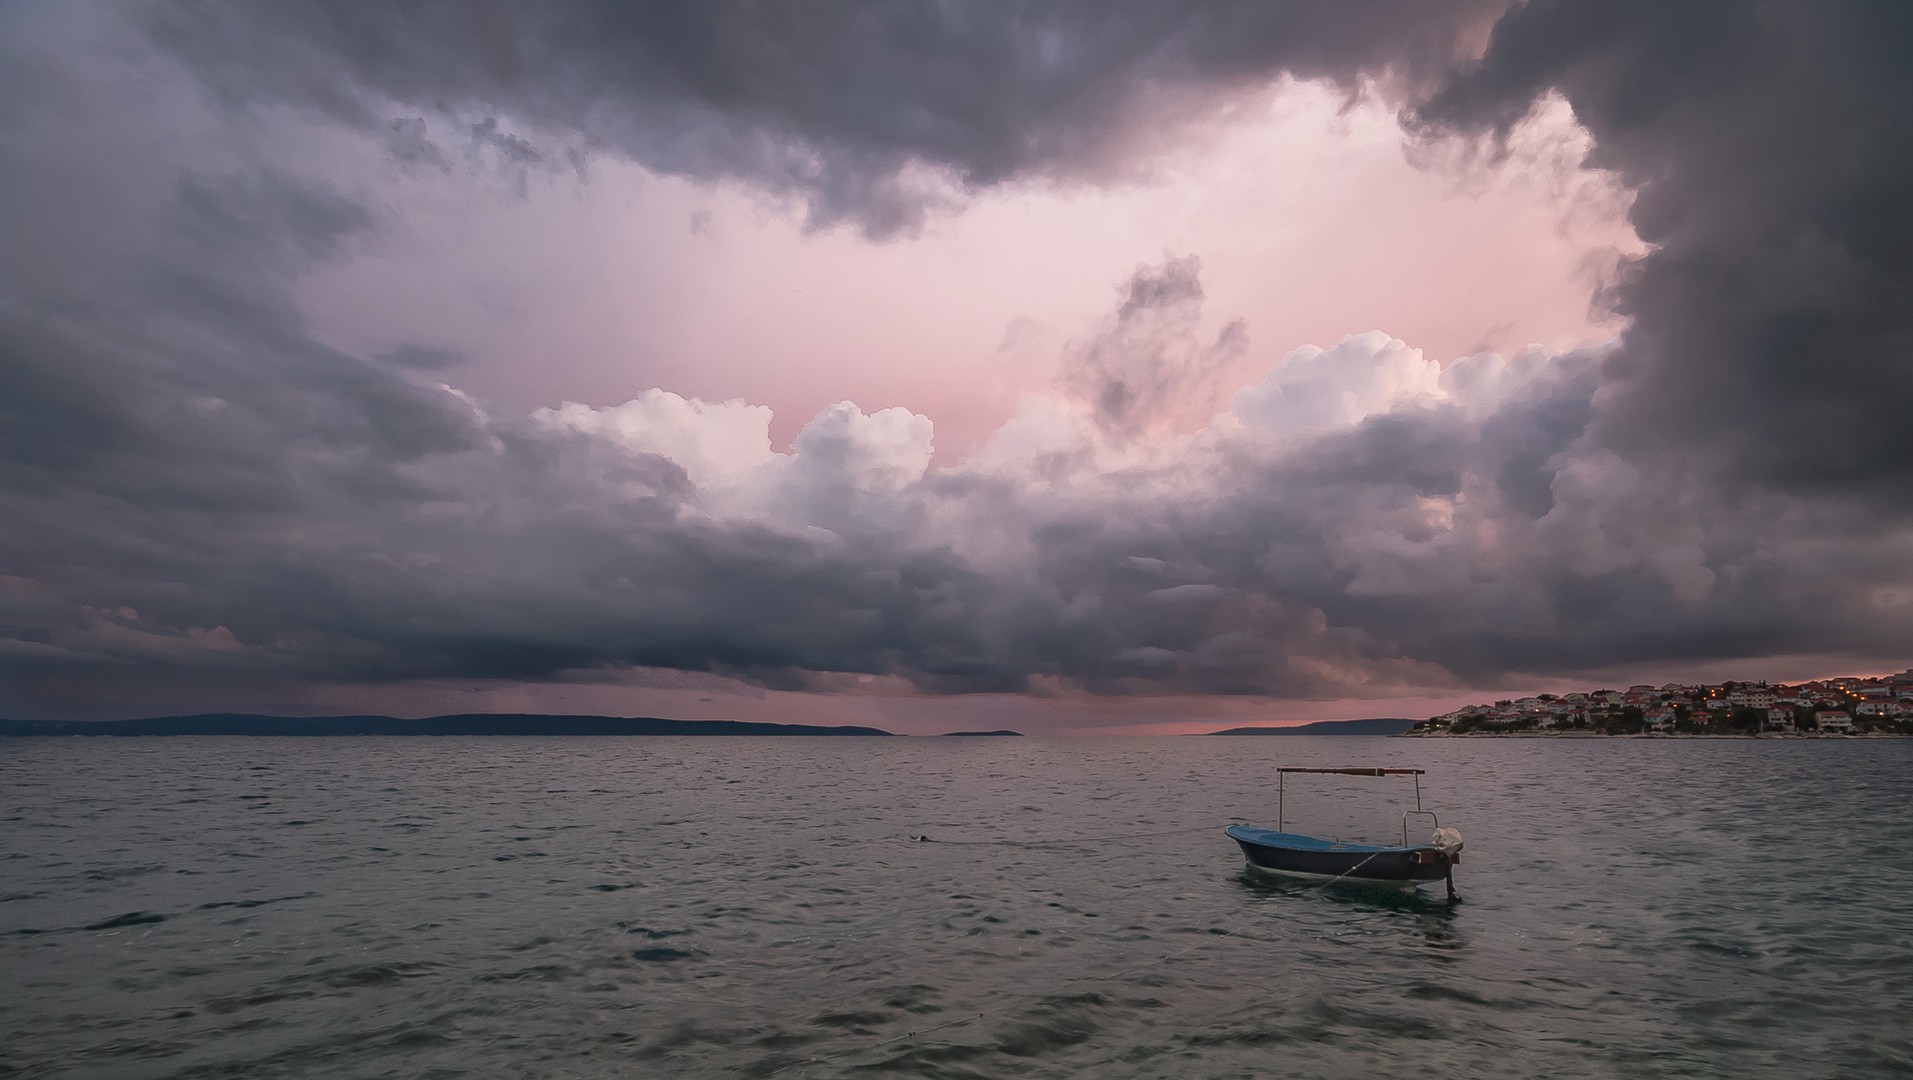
(1074, 368)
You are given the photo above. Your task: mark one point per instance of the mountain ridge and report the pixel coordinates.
(1386, 725)
(451, 724)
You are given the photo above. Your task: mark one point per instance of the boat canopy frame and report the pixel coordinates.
(1281, 775)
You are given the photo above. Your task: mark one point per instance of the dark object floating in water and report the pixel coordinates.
(131, 918)
(1311, 857)
(462, 724)
(1391, 725)
(662, 955)
(979, 734)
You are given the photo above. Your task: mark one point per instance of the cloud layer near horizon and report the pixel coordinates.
(194, 488)
(1362, 522)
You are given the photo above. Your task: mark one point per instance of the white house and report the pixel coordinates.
(1834, 721)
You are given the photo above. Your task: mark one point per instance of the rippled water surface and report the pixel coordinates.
(188, 907)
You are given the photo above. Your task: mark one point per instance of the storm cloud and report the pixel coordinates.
(874, 113)
(193, 487)
(1772, 327)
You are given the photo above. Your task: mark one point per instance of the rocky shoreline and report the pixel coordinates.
(1578, 734)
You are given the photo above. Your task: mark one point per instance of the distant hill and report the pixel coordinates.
(463, 724)
(1004, 731)
(1385, 726)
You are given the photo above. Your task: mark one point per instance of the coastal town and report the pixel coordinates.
(1853, 705)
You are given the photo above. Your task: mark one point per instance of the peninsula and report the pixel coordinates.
(1378, 726)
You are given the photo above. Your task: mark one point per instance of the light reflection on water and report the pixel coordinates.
(656, 906)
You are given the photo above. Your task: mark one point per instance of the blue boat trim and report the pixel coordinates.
(1313, 856)
(1298, 841)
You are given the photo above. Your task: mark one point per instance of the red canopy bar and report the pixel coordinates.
(1281, 780)
(1361, 772)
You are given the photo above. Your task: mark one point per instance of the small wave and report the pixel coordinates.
(131, 918)
(654, 935)
(253, 903)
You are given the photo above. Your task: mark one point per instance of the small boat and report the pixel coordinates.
(1311, 857)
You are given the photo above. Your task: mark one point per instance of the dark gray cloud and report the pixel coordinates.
(835, 102)
(1772, 336)
(194, 489)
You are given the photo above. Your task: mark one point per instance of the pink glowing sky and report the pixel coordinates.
(1314, 217)
(1309, 216)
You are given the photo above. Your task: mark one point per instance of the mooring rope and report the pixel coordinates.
(872, 1046)
(925, 838)
(969, 1019)
(928, 1030)
(1230, 932)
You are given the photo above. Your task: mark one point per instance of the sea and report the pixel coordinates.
(946, 907)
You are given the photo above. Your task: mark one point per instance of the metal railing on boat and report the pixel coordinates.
(1280, 793)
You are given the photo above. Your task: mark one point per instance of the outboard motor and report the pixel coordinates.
(1449, 841)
